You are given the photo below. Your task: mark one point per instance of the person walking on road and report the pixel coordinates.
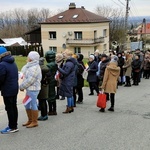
(110, 81)
(32, 84)
(9, 89)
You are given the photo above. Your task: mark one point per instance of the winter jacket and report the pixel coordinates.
(93, 68)
(127, 67)
(43, 94)
(68, 74)
(111, 78)
(32, 76)
(136, 65)
(51, 64)
(103, 66)
(8, 76)
(146, 64)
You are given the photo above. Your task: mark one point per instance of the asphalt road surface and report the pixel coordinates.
(128, 128)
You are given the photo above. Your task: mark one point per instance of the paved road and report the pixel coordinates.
(128, 128)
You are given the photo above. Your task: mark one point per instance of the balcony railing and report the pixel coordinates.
(85, 41)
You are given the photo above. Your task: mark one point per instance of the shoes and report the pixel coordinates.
(102, 110)
(43, 118)
(52, 113)
(79, 102)
(8, 130)
(111, 109)
(127, 85)
(91, 94)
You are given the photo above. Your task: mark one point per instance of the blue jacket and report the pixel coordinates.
(8, 76)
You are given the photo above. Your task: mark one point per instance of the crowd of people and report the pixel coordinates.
(60, 76)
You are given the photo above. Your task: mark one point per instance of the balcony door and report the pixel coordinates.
(78, 35)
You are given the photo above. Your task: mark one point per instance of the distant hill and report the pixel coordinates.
(138, 20)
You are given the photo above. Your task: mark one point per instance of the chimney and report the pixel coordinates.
(72, 6)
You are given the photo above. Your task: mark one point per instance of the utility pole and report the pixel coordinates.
(126, 22)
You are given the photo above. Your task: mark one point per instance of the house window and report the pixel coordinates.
(104, 32)
(77, 50)
(52, 35)
(53, 49)
(78, 35)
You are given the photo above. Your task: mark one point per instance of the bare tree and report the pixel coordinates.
(116, 16)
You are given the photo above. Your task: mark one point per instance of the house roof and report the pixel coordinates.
(38, 29)
(75, 15)
(13, 41)
(145, 29)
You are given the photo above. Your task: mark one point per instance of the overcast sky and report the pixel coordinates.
(137, 7)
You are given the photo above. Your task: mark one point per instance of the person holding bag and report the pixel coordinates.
(110, 81)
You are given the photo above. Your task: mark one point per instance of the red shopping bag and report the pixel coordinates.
(101, 101)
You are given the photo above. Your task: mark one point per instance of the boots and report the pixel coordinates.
(34, 122)
(68, 110)
(111, 109)
(29, 115)
(52, 108)
(72, 109)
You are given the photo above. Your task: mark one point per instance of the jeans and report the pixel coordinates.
(70, 101)
(12, 111)
(33, 103)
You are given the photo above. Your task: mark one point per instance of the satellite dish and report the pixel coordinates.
(64, 46)
(70, 33)
(64, 35)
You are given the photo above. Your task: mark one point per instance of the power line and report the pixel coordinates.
(121, 3)
(116, 3)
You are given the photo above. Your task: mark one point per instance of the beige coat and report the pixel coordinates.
(128, 67)
(111, 76)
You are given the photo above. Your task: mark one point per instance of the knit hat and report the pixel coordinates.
(3, 50)
(33, 55)
(41, 61)
(114, 58)
(92, 56)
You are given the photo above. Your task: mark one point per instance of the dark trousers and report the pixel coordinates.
(93, 86)
(52, 106)
(136, 77)
(146, 73)
(74, 96)
(43, 107)
(128, 80)
(112, 98)
(12, 111)
(80, 94)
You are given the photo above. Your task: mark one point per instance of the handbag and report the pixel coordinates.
(85, 74)
(101, 101)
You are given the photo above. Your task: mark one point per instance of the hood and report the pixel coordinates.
(73, 60)
(8, 58)
(113, 69)
(80, 57)
(50, 56)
